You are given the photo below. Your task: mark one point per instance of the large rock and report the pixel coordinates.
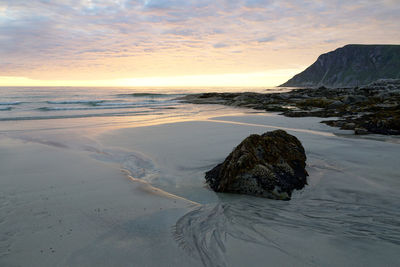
(271, 165)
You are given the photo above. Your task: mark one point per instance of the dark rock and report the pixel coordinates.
(349, 126)
(353, 99)
(360, 131)
(375, 107)
(271, 165)
(335, 104)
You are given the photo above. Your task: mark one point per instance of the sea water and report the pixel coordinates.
(40, 103)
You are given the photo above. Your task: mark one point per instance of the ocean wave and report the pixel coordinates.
(66, 102)
(111, 105)
(10, 103)
(83, 108)
(138, 103)
(124, 103)
(119, 114)
(152, 95)
(5, 108)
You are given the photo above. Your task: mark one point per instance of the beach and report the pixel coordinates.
(199, 133)
(83, 188)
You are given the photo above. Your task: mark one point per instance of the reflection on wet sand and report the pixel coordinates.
(204, 231)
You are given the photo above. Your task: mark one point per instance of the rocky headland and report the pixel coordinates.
(351, 65)
(374, 108)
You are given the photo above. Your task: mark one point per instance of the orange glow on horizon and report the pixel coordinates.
(256, 79)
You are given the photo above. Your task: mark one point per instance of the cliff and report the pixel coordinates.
(351, 65)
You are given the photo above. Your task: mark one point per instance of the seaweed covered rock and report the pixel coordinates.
(270, 165)
(371, 109)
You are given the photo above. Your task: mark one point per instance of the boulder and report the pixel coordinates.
(335, 104)
(360, 131)
(270, 165)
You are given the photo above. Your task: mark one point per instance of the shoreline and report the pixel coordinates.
(372, 109)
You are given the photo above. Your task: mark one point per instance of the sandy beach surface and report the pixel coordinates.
(133, 194)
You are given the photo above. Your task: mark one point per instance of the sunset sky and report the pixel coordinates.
(181, 42)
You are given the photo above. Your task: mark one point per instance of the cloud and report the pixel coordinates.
(266, 39)
(175, 4)
(220, 45)
(258, 3)
(181, 32)
(140, 37)
(331, 41)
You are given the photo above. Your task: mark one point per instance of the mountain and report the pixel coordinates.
(351, 65)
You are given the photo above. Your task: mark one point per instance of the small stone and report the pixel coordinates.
(349, 126)
(360, 131)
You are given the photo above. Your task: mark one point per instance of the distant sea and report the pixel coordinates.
(42, 103)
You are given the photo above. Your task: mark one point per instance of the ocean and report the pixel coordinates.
(41, 103)
(47, 103)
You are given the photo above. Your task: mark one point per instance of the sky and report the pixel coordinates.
(181, 42)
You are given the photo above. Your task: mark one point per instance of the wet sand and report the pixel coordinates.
(348, 214)
(64, 208)
(136, 197)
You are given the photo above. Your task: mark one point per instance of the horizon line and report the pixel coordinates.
(271, 78)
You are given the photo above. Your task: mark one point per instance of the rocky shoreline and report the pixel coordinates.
(374, 108)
